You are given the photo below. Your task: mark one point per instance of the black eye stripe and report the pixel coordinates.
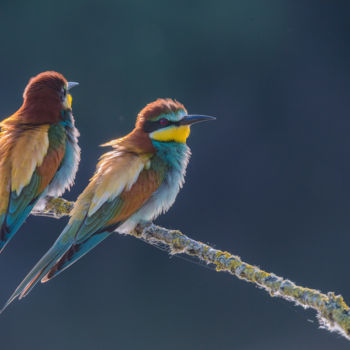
(150, 126)
(63, 93)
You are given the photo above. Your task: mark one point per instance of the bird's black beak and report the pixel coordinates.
(71, 84)
(192, 119)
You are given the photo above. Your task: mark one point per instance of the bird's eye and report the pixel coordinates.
(63, 93)
(164, 122)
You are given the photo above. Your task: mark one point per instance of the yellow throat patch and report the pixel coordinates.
(174, 133)
(69, 101)
(67, 104)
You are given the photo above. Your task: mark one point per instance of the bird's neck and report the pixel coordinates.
(175, 154)
(39, 112)
(67, 118)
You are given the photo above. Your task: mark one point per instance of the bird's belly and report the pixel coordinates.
(160, 202)
(64, 178)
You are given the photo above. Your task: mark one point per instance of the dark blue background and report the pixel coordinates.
(269, 180)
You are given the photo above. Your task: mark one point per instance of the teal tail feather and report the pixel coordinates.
(57, 259)
(19, 208)
(9, 229)
(36, 274)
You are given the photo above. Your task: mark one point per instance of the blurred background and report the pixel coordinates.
(269, 180)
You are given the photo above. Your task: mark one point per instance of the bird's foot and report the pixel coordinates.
(140, 227)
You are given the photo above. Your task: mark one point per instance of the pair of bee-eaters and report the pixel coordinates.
(134, 182)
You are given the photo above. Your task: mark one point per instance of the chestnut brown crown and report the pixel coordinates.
(46, 83)
(156, 108)
(43, 97)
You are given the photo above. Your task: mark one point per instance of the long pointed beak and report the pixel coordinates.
(71, 84)
(192, 119)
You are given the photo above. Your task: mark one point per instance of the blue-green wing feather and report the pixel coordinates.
(90, 233)
(18, 210)
(75, 241)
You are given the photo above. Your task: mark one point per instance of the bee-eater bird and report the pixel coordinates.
(39, 152)
(135, 182)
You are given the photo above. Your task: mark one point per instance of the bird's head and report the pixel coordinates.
(50, 86)
(47, 94)
(166, 120)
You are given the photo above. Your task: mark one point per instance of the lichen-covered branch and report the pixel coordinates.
(333, 313)
(54, 207)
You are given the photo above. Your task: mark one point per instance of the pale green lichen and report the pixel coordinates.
(333, 312)
(55, 207)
